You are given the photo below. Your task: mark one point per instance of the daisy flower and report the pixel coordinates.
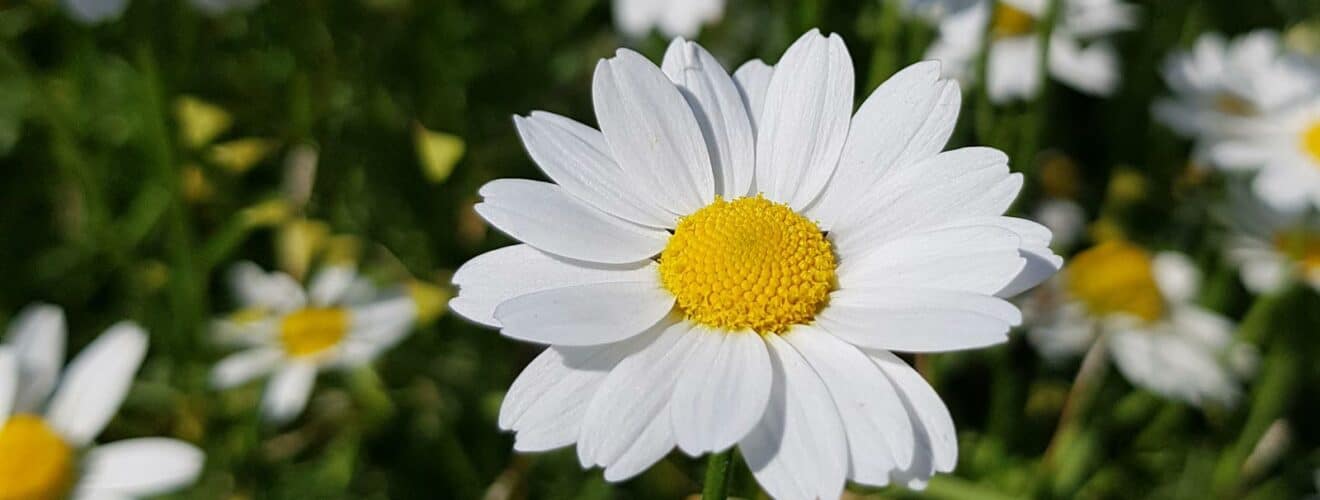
(48, 422)
(1079, 55)
(1284, 148)
(1139, 306)
(636, 18)
(711, 272)
(339, 322)
(1271, 248)
(1220, 81)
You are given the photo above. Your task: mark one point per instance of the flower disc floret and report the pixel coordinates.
(748, 264)
(35, 462)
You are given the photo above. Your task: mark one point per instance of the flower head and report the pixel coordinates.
(1079, 55)
(1138, 305)
(1271, 248)
(729, 261)
(338, 322)
(47, 431)
(636, 18)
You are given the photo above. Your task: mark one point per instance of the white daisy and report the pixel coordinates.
(1079, 55)
(711, 272)
(1140, 306)
(1284, 147)
(339, 322)
(636, 18)
(1218, 82)
(1271, 248)
(47, 431)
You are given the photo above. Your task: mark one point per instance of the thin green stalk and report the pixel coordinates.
(884, 57)
(985, 110)
(1035, 126)
(1090, 376)
(718, 469)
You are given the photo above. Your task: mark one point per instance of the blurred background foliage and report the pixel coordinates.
(143, 156)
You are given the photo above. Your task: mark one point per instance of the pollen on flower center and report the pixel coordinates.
(1230, 104)
(1010, 21)
(748, 264)
(35, 462)
(311, 331)
(1115, 277)
(1311, 141)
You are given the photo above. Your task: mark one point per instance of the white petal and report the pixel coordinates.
(875, 419)
(953, 185)
(585, 314)
(937, 440)
(801, 135)
(37, 335)
(287, 392)
(141, 467)
(635, 18)
(973, 258)
(753, 77)
(8, 382)
(1177, 276)
(96, 382)
(1173, 366)
(330, 284)
(722, 390)
(275, 291)
(720, 112)
(632, 396)
(499, 275)
(1093, 69)
(376, 327)
(907, 119)
(918, 320)
(546, 403)
(542, 215)
(238, 369)
(798, 450)
(1041, 262)
(1013, 72)
(577, 158)
(652, 132)
(654, 442)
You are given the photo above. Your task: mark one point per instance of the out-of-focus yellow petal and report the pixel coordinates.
(438, 152)
(196, 187)
(297, 242)
(239, 155)
(199, 121)
(342, 249)
(267, 213)
(429, 299)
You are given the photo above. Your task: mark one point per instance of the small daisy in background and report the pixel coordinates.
(1283, 148)
(711, 270)
(935, 10)
(1271, 248)
(1080, 56)
(341, 321)
(636, 18)
(49, 421)
(1139, 307)
(1219, 81)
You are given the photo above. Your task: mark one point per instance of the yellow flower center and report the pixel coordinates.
(748, 264)
(1301, 246)
(1115, 277)
(35, 462)
(1311, 141)
(310, 331)
(1011, 21)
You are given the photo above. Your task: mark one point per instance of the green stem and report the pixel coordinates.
(884, 57)
(1035, 126)
(717, 476)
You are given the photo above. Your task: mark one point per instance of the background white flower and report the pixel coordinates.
(1283, 148)
(1272, 249)
(683, 268)
(636, 18)
(1140, 307)
(47, 432)
(1079, 54)
(1217, 82)
(341, 321)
